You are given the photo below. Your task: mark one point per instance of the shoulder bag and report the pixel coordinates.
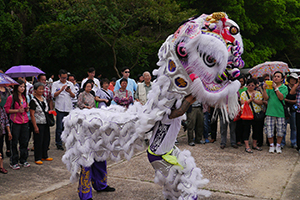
(49, 117)
(287, 112)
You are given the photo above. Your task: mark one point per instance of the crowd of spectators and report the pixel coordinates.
(23, 108)
(268, 103)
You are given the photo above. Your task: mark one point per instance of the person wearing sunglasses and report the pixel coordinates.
(131, 84)
(254, 99)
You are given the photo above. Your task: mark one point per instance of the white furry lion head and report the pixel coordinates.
(203, 58)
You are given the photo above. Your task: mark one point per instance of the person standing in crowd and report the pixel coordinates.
(38, 107)
(131, 84)
(265, 77)
(62, 90)
(97, 173)
(4, 94)
(17, 106)
(214, 123)
(206, 119)
(99, 78)
(195, 122)
(223, 130)
(85, 98)
(47, 92)
(123, 97)
(290, 101)
(112, 84)
(104, 95)
(296, 91)
(139, 78)
(143, 88)
(239, 129)
(72, 79)
(91, 76)
(50, 81)
(255, 98)
(4, 130)
(275, 116)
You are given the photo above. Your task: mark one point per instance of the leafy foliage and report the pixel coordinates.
(110, 34)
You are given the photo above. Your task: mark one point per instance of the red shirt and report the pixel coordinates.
(18, 118)
(111, 87)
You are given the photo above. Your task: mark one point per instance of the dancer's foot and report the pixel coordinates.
(107, 189)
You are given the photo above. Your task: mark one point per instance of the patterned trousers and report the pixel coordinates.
(97, 175)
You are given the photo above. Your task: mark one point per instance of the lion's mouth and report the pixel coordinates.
(214, 87)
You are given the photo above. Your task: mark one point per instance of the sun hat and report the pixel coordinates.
(292, 75)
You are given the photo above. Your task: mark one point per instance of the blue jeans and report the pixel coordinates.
(206, 129)
(59, 126)
(293, 127)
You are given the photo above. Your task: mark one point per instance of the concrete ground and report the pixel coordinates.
(233, 174)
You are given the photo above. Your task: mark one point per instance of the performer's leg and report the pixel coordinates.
(99, 175)
(191, 117)
(84, 187)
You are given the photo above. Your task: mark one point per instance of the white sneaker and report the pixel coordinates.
(272, 149)
(278, 149)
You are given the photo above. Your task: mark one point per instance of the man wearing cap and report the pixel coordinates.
(290, 101)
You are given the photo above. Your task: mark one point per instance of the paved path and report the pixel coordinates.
(233, 174)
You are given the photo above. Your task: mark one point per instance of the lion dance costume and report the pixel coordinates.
(200, 59)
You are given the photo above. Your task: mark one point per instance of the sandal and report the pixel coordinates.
(248, 150)
(257, 148)
(3, 171)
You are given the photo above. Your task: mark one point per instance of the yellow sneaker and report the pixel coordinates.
(38, 162)
(47, 159)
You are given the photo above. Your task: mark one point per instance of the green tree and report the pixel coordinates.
(10, 37)
(270, 29)
(128, 30)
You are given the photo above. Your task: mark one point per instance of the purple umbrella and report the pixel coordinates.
(6, 81)
(23, 71)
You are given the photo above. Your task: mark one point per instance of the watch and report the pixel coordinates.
(276, 89)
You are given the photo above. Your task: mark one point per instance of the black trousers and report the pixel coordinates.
(19, 135)
(41, 142)
(239, 131)
(257, 129)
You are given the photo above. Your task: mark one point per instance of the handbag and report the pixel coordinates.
(49, 117)
(287, 112)
(260, 116)
(247, 112)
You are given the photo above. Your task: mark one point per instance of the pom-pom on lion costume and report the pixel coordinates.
(200, 59)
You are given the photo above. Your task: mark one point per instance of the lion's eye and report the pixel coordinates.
(209, 60)
(233, 30)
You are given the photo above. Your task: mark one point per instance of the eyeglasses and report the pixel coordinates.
(127, 72)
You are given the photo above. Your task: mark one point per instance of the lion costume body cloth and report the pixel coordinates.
(202, 59)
